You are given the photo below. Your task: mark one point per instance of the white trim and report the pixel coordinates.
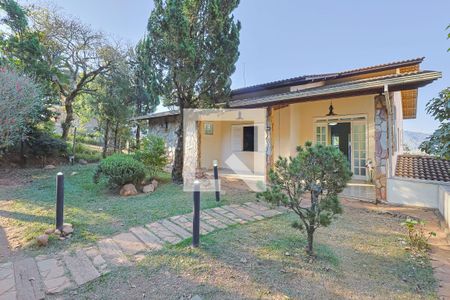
(353, 118)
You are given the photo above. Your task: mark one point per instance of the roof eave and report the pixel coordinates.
(411, 81)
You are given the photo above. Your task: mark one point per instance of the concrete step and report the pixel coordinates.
(53, 274)
(29, 284)
(80, 267)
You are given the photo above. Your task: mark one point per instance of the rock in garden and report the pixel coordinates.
(128, 190)
(73, 173)
(67, 230)
(49, 231)
(155, 183)
(57, 232)
(49, 167)
(82, 162)
(149, 188)
(42, 240)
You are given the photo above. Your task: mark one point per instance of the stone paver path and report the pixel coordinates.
(32, 278)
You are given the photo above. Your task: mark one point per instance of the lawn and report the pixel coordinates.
(94, 210)
(360, 256)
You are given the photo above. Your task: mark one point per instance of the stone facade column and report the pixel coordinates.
(268, 136)
(381, 147)
(191, 147)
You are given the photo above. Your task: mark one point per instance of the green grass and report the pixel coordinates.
(93, 209)
(266, 259)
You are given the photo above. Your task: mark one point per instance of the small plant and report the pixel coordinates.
(152, 154)
(417, 235)
(120, 169)
(320, 171)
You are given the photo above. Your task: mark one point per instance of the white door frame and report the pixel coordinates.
(352, 119)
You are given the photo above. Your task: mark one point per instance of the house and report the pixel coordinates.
(359, 111)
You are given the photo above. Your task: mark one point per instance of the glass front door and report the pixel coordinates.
(359, 149)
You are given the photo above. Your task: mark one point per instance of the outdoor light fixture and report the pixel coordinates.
(330, 114)
(239, 117)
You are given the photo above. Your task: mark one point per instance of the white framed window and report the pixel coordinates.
(321, 134)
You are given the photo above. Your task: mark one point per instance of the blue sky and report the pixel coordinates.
(287, 38)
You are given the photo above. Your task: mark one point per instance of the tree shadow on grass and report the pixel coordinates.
(261, 257)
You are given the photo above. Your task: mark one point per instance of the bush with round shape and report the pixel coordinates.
(120, 169)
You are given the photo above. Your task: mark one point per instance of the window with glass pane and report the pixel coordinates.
(321, 134)
(359, 149)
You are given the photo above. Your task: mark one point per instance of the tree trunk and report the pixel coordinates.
(177, 169)
(116, 130)
(309, 247)
(69, 118)
(138, 135)
(105, 139)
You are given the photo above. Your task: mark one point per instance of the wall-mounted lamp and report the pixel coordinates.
(239, 117)
(330, 110)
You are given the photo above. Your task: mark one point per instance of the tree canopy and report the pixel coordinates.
(192, 48)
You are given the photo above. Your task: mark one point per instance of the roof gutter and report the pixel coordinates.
(366, 84)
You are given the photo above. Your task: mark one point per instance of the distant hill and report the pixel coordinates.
(413, 139)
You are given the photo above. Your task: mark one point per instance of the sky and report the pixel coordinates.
(287, 38)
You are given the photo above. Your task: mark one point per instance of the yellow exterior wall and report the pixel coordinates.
(218, 147)
(281, 119)
(294, 125)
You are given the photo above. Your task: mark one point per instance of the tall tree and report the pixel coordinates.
(112, 101)
(20, 49)
(439, 142)
(192, 47)
(145, 98)
(78, 52)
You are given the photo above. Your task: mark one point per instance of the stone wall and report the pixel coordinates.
(166, 128)
(381, 147)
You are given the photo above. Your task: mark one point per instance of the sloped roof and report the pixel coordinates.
(326, 76)
(423, 167)
(158, 115)
(372, 85)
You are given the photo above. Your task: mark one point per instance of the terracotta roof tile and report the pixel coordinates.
(314, 77)
(423, 167)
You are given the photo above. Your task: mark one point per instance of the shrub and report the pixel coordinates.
(120, 169)
(152, 154)
(417, 237)
(320, 171)
(44, 145)
(21, 106)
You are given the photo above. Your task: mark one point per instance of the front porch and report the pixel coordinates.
(356, 189)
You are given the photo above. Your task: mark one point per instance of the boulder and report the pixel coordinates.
(149, 188)
(49, 231)
(155, 183)
(42, 240)
(82, 162)
(57, 232)
(49, 167)
(66, 230)
(128, 190)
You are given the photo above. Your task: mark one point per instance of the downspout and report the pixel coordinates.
(388, 129)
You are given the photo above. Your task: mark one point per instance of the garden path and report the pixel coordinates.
(32, 278)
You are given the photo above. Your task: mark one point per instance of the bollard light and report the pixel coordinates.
(59, 200)
(196, 219)
(216, 180)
